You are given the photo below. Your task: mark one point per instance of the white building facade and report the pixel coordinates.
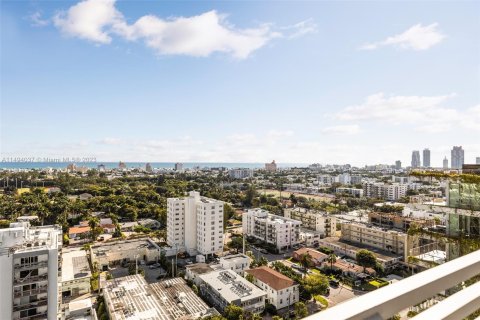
(30, 260)
(277, 230)
(195, 224)
(281, 290)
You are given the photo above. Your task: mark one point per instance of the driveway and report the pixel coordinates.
(341, 294)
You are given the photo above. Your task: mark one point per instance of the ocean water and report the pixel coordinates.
(155, 165)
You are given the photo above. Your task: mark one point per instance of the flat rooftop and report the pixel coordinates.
(234, 257)
(199, 268)
(380, 254)
(132, 298)
(75, 265)
(123, 245)
(231, 286)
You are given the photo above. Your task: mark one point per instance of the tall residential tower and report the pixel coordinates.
(458, 156)
(416, 159)
(195, 224)
(426, 158)
(30, 262)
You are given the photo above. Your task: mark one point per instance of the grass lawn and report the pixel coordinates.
(315, 271)
(321, 300)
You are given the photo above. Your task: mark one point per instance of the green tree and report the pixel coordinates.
(250, 277)
(366, 259)
(301, 310)
(315, 284)
(332, 258)
(277, 318)
(263, 261)
(233, 312)
(306, 261)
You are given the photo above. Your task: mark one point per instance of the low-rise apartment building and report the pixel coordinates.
(277, 230)
(358, 193)
(380, 190)
(76, 273)
(281, 290)
(399, 222)
(349, 249)
(384, 239)
(318, 221)
(224, 287)
(122, 251)
(236, 262)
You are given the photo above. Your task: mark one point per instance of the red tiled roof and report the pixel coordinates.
(78, 230)
(273, 278)
(317, 255)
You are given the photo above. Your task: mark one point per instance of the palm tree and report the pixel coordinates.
(305, 261)
(332, 258)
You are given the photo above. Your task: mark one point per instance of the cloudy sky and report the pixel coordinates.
(231, 81)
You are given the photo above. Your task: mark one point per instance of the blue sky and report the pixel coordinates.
(314, 81)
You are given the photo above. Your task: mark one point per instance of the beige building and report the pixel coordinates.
(117, 252)
(322, 222)
(272, 167)
(387, 240)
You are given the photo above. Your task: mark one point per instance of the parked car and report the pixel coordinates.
(334, 283)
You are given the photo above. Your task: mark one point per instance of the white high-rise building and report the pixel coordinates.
(477, 160)
(277, 230)
(344, 178)
(30, 262)
(195, 224)
(458, 156)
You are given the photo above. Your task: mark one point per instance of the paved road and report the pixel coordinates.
(271, 256)
(341, 294)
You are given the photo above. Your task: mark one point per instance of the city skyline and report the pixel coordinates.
(299, 84)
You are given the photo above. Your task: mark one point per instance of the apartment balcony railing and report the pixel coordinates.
(32, 265)
(30, 279)
(30, 305)
(38, 316)
(385, 302)
(25, 293)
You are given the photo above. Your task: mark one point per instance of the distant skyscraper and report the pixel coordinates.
(178, 166)
(478, 160)
(445, 163)
(148, 167)
(426, 158)
(398, 164)
(458, 156)
(122, 165)
(416, 159)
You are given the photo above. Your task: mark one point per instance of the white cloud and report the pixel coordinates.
(199, 36)
(425, 113)
(417, 37)
(342, 129)
(37, 20)
(90, 19)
